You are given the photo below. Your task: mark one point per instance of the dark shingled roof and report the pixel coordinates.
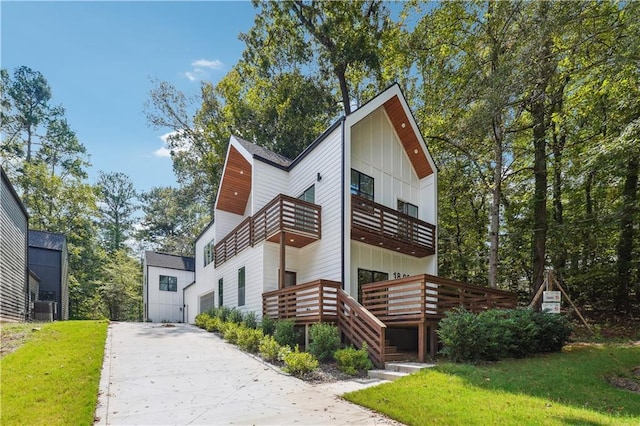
(171, 261)
(264, 153)
(47, 240)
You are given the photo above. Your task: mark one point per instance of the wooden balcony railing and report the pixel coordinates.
(378, 225)
(316, 301)
(325, 301)
(298, 219)
(422, 298)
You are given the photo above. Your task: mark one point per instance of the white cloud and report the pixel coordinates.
(163, 152)
(205, 63)
(201, 68)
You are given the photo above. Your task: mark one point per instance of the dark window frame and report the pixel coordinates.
(168, 284)
(242, 286)
(375, 277)
(220, 292)
(357, 187)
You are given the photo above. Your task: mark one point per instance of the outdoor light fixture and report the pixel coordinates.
(318, 177)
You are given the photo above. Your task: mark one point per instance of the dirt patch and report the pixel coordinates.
(630, 383)
(328, 372)
(12, 336)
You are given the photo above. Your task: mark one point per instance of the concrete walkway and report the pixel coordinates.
(157, 375)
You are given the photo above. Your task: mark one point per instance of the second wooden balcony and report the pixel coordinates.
(297, 219)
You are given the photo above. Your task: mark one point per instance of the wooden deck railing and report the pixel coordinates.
(282, 214)
(316, 301)
(375, 224)
(425, 297)
(359, 326)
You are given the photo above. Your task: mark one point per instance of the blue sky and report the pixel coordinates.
(99, 57)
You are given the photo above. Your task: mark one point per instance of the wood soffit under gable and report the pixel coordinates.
(408, 137)
(236, 184)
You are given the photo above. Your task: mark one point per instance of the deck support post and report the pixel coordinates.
(282, 260)
(306, 337)
(422, 340)
(433, 339)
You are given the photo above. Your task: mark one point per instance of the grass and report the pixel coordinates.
(564, 388)
(53, 378)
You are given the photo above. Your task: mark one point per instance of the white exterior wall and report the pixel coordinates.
(267, 182)
(375, 150)
(165, 305)
(205, 278)
(252, 260)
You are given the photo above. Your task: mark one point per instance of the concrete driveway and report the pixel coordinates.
(157, 375)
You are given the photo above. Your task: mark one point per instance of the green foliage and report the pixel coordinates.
(325, 340)
(201, 319)
(213, 324)
(497, 334)
(269, 348)
(352, 361)
(121, 287)
(229, 332)
(284, 352)
(249, 339)
(223, 313)
(299, 363)
(236, 316)
(250, 320)
(268, 325)
(285, 333)
(117, 196)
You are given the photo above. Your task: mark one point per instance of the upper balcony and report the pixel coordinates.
(378, 225)
(297, 219)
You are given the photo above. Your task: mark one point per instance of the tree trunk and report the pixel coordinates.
(540, 194)
(496, 195)
(625, 243)
(341, 73)
(560, 257)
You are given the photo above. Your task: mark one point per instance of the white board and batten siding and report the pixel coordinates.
(267, 183)
(205, 278)
(166, 306)
(13, 255)
(375, 150)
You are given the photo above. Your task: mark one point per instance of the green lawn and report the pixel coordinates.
(53, 378)
(563, 388)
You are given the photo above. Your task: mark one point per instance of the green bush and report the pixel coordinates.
(269, 348)
(497, 334)
(201, 320)
(351, 360)
(213, 312)
(213, 324)
(230, 332)
(250, 320)
(284, 352)
(235, 316)
(268, 325)
(325, 340)
(285, 333)
(299, 363)
(223, 313)
(249, 339)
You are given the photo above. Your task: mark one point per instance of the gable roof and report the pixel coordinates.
(263, 154)
(47, 240)
(13, 192)
(170, 261)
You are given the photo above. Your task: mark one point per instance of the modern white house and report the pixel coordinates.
(310, 238)
(164, 278)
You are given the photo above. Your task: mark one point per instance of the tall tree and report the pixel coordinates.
(117, 207)
(120, 287)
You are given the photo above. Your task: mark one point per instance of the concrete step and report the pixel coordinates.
(406, 367)
(385, 375)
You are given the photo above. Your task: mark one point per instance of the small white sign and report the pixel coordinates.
(553, 308)
(551, 296)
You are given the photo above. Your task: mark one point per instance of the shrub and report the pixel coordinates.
(498, 334)
(269, 348)
(235, 316)
(230, 332)
(325, 340)
(284, 352)
(223, 313)
(285, 333)
(250, 320)
(249, 339)
(213, 324)
(351, 360)
(201, 320)
(298, 363)
(213, 312)
(268, 325)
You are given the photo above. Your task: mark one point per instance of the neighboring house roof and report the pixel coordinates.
(263, 153)
(170, 261)
(47, 240)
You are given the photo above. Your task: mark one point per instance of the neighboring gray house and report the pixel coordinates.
(49, 259)
(164, 278)
(13, 253)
